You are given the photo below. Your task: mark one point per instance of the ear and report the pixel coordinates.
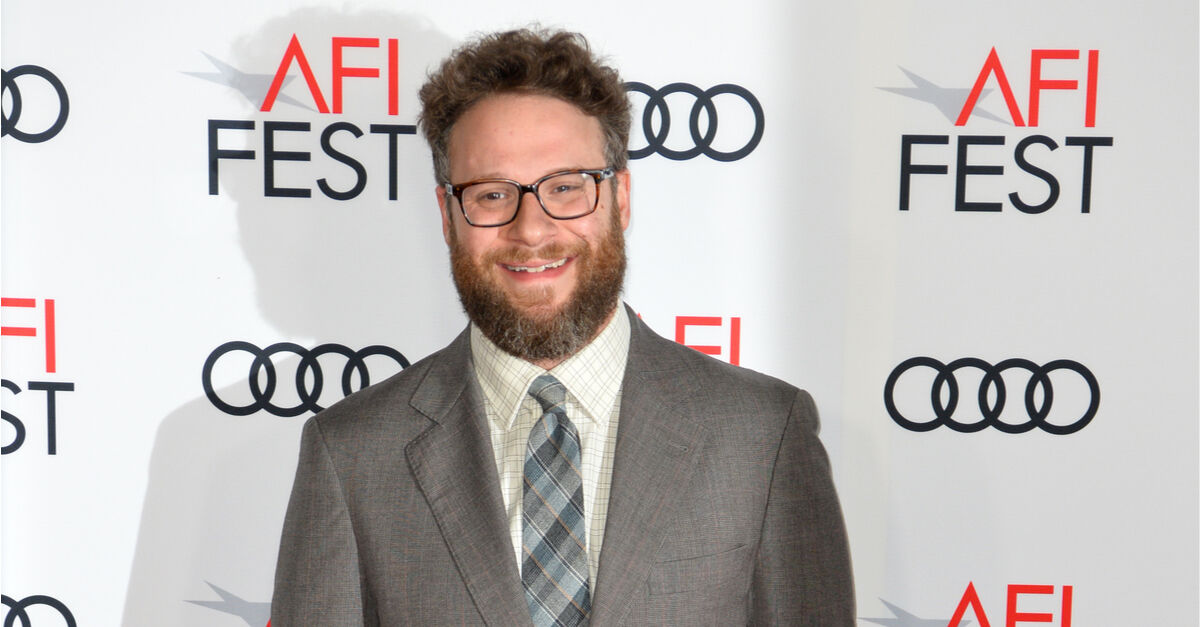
(621, 180)
(444, 206)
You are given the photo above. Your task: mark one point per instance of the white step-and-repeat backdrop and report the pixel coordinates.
(969, 229)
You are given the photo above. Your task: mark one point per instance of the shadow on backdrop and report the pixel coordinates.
(355, 273)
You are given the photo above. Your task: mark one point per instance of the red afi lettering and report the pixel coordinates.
(48, 332)
(991, 66)
(1012, 616)
(735, 335)
(970, 599)
(295, 53)
(340, 71)
(1037, 84)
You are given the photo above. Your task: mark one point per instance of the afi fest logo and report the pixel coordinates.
(988, 176)
(341, 143)
(32, 331)
(339, 149)
(1024, 604)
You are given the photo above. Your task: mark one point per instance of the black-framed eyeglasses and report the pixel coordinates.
(563, 196)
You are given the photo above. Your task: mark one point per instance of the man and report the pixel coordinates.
(558, 463)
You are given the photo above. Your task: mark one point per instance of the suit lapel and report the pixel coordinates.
(657, 443)
(453, 464)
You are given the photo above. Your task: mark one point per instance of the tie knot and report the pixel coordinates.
(548, 391)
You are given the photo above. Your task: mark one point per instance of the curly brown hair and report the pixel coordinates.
(552, 63)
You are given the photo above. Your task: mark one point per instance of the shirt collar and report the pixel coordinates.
(592, 375)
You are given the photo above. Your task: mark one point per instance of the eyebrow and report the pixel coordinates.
(547, 173)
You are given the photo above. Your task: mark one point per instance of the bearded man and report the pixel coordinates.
(558, 463)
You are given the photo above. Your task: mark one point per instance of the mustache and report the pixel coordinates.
(519, 254)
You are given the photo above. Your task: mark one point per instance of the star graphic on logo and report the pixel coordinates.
(253, 86)
(255, 614)
(905, 619)
(948, 100)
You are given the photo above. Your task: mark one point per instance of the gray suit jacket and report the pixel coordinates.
(722, 508)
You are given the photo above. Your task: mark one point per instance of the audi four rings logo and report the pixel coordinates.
(263, 379)
(16, 614)
(992, 395)
(12, 117)
(701, 139)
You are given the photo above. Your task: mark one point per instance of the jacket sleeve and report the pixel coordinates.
(802, 575)
(317, 576)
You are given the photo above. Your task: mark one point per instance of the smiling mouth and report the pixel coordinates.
(534, 269)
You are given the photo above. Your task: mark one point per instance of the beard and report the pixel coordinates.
(530, 329)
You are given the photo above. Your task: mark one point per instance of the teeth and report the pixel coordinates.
(551, 265)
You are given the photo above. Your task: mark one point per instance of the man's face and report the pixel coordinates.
(539, 288)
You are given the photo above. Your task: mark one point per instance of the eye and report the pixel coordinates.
(563, 186)
(489, 193)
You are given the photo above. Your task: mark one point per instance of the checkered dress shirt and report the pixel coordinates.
(593, 381)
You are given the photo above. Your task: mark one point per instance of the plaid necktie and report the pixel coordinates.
(555, 566)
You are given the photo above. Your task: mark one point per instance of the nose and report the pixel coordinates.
(532, 226)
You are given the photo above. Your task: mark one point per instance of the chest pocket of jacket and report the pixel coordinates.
(705, 571)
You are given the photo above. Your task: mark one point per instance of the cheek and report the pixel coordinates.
(598, 230)
(472, 243)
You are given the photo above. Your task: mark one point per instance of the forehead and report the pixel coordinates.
(520, 136)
